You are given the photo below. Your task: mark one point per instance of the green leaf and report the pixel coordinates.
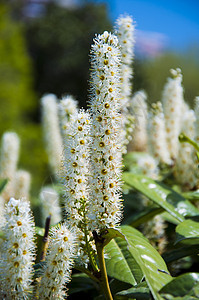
(128, 261)
(120, 263)
(140, 292)
(110, 233)
(192, 195)
(188, 232)
(162, 195)
(3, 183)
(182, 285)
(149, 260)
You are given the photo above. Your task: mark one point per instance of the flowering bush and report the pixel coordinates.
(84, 210)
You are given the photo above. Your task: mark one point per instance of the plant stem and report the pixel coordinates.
(45, 239)
(103, 278)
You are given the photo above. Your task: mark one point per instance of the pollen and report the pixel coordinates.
(82, 142)
(54, 262)
(109, 48)
(60, 272)
(101, 144)
(110, 90)
(105, 198)
(102, 77)
(104, 171)
(111, 185)
(107, 132)
(72, 150)
(65, 239)
(106, 62)
(112, 73)
(106, 105)
(16, 264)
(24, 235)
(24, 252)
(15, 245)
(67, 178)
(79, 180)
(19, 279)
(97, 92)
(99, 119)
(74, 164)
(110, 157)
(19, 223)
(60, 250)
(72, 192)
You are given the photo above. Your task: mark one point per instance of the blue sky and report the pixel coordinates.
(177, 21)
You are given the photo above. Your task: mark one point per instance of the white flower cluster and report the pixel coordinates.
(149, 166)
(105, 205)
(125, 33)
(22, 184)
(51, 131)
(18, 252)
(138, 107)
(75, 175)
(58, 264)
(49, 200)
(8, 162)
(185, 168)
(172, 105)
(157, 134)
(67, 106)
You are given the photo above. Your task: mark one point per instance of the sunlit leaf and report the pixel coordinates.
(188, 232)
(139, 250)
(182, 285)
(162, 195)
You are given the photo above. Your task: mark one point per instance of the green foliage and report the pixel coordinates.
(136, 258)
(3, 183)
(188, 232)
(183, 285)
(162, 195)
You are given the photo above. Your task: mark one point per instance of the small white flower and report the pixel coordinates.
(172, 100)
(138, 108)
(22, 184)
(51, 131)
(8, 161)
(18, 252)
(157, 135)
(149, 166)
(105, 183)
(49, 200)
(59, 262)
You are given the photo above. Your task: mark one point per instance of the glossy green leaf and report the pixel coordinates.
(192, 195)
(120, 263)
(3, 183)
(188, 232)
(182, 285)
(140, 292)
(162, 195)
(147, 258)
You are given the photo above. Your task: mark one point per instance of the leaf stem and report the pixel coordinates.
(103, 278)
